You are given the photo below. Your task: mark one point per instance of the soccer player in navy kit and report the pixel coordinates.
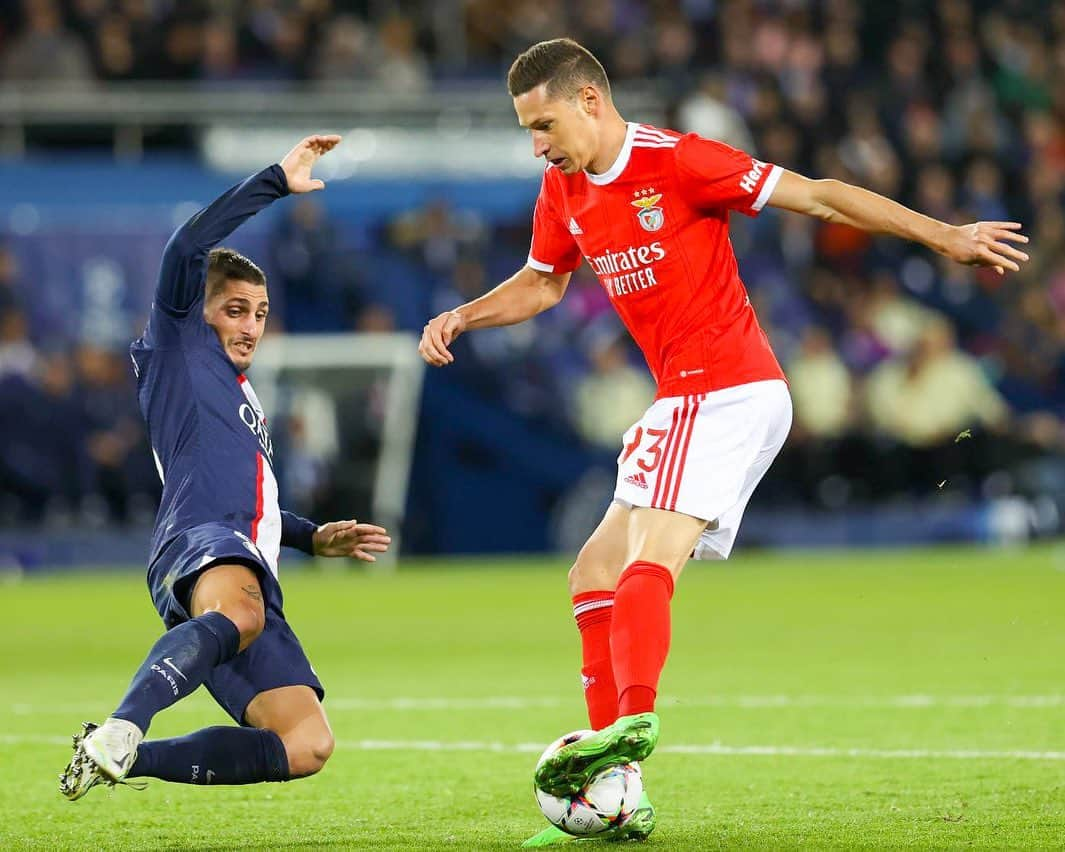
(213, 567)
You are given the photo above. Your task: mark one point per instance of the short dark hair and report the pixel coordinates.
(562, 64)
(224, 264)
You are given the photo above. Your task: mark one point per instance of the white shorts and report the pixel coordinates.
(703, 455)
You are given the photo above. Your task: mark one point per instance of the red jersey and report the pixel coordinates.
(654, 229)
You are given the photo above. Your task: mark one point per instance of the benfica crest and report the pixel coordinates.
(651, 216)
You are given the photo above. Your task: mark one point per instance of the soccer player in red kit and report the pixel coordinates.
(648, 209)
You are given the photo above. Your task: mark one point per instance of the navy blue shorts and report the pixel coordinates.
(274, 659)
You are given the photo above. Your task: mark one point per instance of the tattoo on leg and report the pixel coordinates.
(252, 592)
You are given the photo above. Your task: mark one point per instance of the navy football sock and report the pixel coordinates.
(219, 755)
(178, 663)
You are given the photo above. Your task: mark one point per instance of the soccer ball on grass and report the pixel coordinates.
(605, 803)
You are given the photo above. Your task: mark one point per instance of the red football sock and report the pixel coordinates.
(639, 634)
(592, 611)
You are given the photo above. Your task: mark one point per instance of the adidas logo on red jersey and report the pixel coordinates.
(637, 479)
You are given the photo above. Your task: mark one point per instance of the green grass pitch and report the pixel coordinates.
(891, 699)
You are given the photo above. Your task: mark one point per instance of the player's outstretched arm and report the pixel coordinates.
(976, 244)
(184, 259)
(523, 295)
(350, 538)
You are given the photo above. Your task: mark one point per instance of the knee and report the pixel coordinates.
(308, 754)
(233, 591)
(248, 617)
(592, 571)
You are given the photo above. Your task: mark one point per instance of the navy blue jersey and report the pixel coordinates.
(207, 429)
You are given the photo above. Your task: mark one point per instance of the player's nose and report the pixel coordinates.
(540, 146)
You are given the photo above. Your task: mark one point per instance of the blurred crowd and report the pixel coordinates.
(911, 375)
(73, 447)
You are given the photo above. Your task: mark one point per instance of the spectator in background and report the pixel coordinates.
(375, 318)
(707, 112)
(276, 40)
(934, 190)
(44, 50)
(895, 319)
(43, 469)
(821, 388)
(926, 401)
(398, 66)
(866, 151)
(921, 136)
(825, 460)
(842, 71)
(182, 49)
(344, 55)
(860, 346)
(17, 355)
(614, 395)
(10, 296)
(219, 60)
(983, 192)
(674, 48)
(87, 15)
(120, 475)
(113, 53)
(437, 234)
(318, 286)
(906, 80)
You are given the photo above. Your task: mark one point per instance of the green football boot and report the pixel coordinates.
(638, 827)
(550, 836)
(630, 738)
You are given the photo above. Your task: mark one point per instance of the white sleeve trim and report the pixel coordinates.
(767, 188)
(540, 267)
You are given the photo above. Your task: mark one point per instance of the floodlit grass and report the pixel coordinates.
(849, 700)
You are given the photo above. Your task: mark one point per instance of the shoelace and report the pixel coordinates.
(132, 783)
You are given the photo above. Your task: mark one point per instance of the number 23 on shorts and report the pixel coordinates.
(651, 455)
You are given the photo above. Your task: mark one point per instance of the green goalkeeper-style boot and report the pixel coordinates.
(550, 836)
(638, 827)
(630, 738)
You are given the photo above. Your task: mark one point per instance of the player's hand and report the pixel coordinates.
(438, 335)
(300, 160)
(350, 538)
(987, 244)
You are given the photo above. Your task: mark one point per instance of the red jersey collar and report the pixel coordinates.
(615, 170)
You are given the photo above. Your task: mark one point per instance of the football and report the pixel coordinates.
(605, 803)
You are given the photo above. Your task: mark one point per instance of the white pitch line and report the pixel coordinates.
(718, 750)
(709, 749)
(739, 702)
(828, 751)
(915, 701)
(490, 703)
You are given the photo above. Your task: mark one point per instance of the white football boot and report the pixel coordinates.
(113, 747)
(84, 772)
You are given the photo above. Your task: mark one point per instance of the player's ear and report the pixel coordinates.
(589, 99)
